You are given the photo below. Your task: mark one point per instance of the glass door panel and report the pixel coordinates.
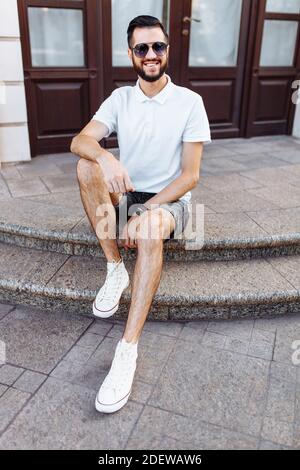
(215, 31)
(284, 35)
(56, 37)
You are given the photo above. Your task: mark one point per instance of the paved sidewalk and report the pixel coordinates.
(200, 385)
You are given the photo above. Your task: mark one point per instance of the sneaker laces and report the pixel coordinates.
(121, 367)
(112, 283)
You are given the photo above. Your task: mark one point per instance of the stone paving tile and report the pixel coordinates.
(289, 155)
(156, 425)
(3, 389)
(267, 445)
(11, 402)
(38, 168)
(282, 195)
(290, 269)
(100, 327)
(286, 325)
(9, 374)
(241, 329)
(281, 401)
(271, 176)
(70, 274)
(262, 344)
(233, 182)
(231, 225)
(5, 309)
(4, 192)
(72, 202)
(218, 386)
(34, 214)
(278, 431)
(222, 165)
(9, 172)
(60, 183)
(214, 150)
(38, 340)
(214, 340)
(89, 340)
(221, 278)
(88, 374)
(27, 187)
(237, 201)
(79, 354)
(77, 425)
(29, 264)
(192, 334)
(283, 351)
(283, 372)
(279, 221)
(236, 345)
(30, 381)
(259, 161)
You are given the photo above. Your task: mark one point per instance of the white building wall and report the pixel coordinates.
(14, 139)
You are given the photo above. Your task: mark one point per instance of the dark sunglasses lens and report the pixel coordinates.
(159, 48)
(141, 50)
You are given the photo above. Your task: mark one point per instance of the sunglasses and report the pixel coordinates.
(141, 50)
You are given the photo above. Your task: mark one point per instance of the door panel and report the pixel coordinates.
(213, 59)
(60, 69)
(274, 68)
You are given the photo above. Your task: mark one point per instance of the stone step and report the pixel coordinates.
(51, 227)
(187, 291)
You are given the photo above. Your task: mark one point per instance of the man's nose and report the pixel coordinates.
(151, 54)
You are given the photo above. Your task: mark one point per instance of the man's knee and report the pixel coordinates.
(151, 229)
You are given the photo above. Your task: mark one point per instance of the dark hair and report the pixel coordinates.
(144, 21)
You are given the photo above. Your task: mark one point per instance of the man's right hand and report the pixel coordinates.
(115, 174)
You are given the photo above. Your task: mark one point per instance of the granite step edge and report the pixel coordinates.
(164, 307)
(75, 243)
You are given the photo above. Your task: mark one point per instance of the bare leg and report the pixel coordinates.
(94, 192)
(146, 279)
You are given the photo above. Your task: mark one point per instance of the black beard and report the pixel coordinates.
(141, 73)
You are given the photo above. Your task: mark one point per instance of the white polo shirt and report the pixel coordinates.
(151, 131)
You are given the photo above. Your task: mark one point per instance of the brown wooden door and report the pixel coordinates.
(276, 64)
(60, 58)
(214, 50)
(219, 79)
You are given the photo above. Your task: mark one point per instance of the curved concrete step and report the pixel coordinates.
(241, 239)
(191, 291)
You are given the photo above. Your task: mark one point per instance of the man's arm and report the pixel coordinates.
(190, 173)
(86, 145)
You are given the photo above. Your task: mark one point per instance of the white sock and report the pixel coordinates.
(123, 341)
(114, 263)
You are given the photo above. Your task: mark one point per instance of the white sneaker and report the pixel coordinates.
(116, 388)
(107, 299)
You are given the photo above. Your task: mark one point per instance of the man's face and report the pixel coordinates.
(149, 36)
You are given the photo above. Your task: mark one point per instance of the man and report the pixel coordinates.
(161, 128)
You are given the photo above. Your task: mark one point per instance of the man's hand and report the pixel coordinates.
(115, 174)
(130, 232)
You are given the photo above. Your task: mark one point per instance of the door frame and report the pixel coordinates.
(257, 72)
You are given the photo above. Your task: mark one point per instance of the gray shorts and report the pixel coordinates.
(178, 209)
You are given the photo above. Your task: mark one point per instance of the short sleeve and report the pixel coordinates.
(197, 126)
(107, 113)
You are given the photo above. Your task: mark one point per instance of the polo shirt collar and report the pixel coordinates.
(160, 97)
